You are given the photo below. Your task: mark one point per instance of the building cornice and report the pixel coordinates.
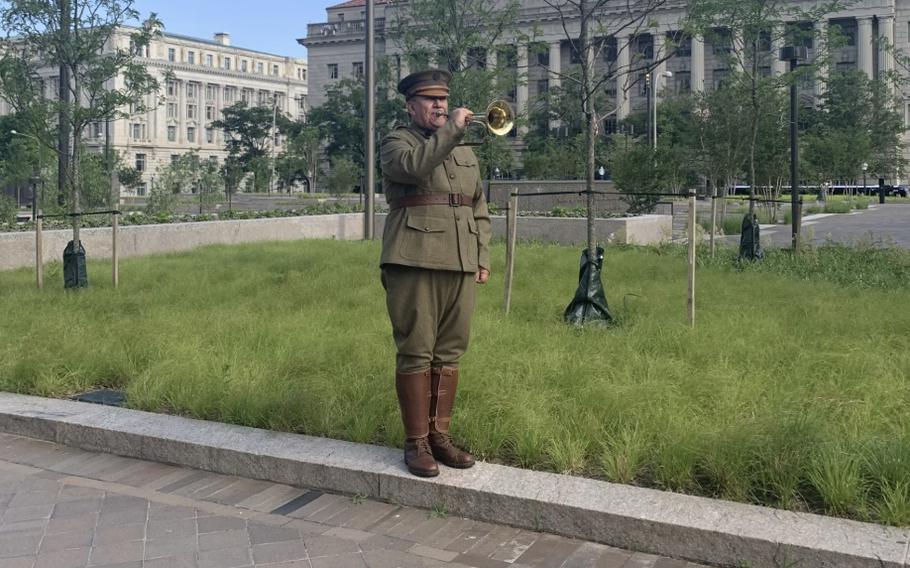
(214, 71)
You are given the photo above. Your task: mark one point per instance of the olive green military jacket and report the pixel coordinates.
(439, 237)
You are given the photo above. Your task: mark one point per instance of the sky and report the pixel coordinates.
(272, 26)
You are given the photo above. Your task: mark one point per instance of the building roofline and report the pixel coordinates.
(214, 43)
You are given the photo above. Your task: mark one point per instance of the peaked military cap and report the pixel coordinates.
(430, 83)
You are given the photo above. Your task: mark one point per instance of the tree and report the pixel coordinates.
(460, 35)
(857, 121)
(340, 119)
(97, 81)
(300, 159)
(747, 31)
(343, 176)
(247, 139)
(597, 19)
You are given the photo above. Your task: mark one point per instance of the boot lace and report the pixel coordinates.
(423, 445)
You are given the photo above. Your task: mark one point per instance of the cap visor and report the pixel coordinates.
(432, 92)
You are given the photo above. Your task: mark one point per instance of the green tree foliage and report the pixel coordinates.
(757, 25)
(340, 119)
(300, 159)
(74, 36)
(343, 176)
(551, 157)
(459, 35)
(8, 209)
(639, 172)
(247, 140)
(856, 121)
(189, 173)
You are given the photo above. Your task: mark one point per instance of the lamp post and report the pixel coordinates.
(35, 176)
(793, 55)
(274, 135)
(665, 75)
(865, 167)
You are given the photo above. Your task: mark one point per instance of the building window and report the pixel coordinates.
(192, 90)
(141, 189)
(209, 61)
(333, 70)
(137, 131)
(301, 103)
(210, 92)
(682, 81)
(172, 88)
(172, 110)
(543, 56)
(259, 67)
(301, 73)
(171, 133)
(210, 112)
(246, 96)
(175, 158)
(263, 98)
(357, 68)
(171, 54)
(543, 86)
(97, 130)
(191, 57)
(227, 63)
(191, 112)
(191, 134)
(230, 95)
(53, 87)
(275, 70)
(243, 65)
(140, 162)
(210, 135)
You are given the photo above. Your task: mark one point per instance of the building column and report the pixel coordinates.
(492, 58)
(555, 69)
(623, 97)
(738, 43)
(885, 55)
(864, 44)
(778, 67)
(660, 39)
(821, 44)
(521, 91)
(697, 65)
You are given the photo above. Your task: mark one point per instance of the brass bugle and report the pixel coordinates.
(499, 118)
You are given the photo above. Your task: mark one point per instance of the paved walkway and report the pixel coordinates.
(887, 224)
(66, 508)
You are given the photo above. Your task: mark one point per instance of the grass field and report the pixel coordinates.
(791, 391)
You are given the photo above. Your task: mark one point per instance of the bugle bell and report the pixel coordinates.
(498, 118)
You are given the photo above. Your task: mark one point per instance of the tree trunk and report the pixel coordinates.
(63, 117)
(587, 69)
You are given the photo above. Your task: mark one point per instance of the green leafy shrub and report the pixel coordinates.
(8, 210)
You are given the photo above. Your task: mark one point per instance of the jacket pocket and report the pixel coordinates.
(466, 160)
(426, 238)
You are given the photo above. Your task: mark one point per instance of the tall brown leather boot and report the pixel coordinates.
(444, 385)
(414, 399)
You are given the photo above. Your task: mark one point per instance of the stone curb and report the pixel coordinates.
(669, 524)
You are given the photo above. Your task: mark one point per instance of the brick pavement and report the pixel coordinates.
(66, 508)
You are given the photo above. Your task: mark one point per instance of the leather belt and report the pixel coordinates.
(450, 199)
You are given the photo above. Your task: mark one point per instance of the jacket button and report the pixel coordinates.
(452, 176)
(458, 217)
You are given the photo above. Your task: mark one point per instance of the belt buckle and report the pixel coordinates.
(454, 200)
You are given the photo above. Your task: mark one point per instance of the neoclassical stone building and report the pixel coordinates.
(336, 49)
(205, 77)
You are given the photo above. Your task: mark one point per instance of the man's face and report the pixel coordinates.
(429, 112)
